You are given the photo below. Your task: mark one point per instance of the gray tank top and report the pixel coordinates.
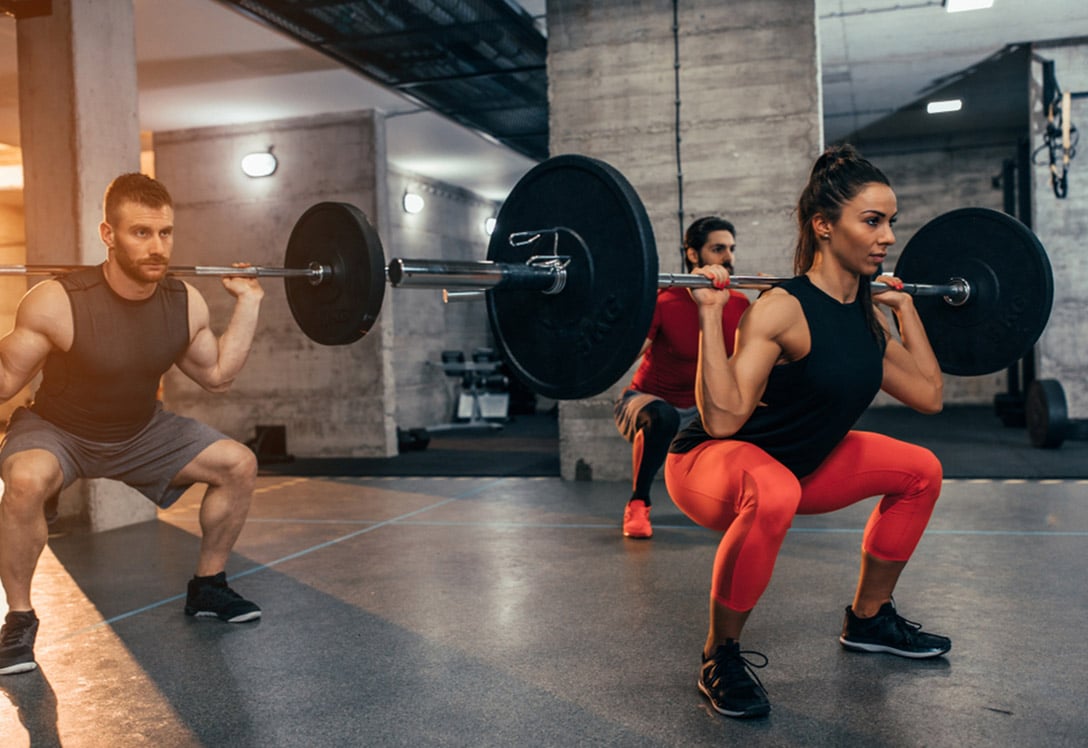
(105, 387)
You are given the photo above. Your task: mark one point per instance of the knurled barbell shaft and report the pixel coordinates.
(956, 292)
(485, 274)
(316, 273)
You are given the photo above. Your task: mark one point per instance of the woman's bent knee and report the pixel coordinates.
(928, 472)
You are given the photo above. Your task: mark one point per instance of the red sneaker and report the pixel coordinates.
(636, 520)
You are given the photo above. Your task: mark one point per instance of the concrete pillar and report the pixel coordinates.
(750, 127)
(78, 122)
(78, 129)
(1062, 224)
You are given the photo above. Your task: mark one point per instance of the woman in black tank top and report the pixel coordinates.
(774, 437)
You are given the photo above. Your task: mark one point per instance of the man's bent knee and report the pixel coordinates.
(238, 463)
(30, 478)
(226, 463)
(246, 465)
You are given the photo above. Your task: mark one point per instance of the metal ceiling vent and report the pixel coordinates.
(482, 63)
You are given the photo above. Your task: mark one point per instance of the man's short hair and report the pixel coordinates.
(133, 188)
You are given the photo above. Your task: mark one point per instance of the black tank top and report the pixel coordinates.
(105, 387)
(811, 404)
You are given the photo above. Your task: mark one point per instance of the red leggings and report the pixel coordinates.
(738, 489)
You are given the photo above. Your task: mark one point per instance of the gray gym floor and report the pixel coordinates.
(510, 611)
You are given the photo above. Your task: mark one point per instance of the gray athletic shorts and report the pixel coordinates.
(148, 461)
(630, 402)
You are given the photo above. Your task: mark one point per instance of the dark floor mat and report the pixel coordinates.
(971, 442)
(526, 446)
(438, 462)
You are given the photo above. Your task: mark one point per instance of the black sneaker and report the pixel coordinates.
(728, 681)
(212, 597)
(17, 642)
(889, 632)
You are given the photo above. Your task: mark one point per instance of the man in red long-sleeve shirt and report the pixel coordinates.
(661, 396)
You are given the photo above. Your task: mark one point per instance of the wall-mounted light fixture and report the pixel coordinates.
(259, 164)
(940, 107)
(958, 6)
(412, 202)
(489, 225)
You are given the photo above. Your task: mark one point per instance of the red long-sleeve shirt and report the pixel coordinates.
(668, 368)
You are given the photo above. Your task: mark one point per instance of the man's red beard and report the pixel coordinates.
(152, 268)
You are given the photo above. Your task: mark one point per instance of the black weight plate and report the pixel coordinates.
(1012, 288)
(1046, 414)
(343, 307)
(578, 342)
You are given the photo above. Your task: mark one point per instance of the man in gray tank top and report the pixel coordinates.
(102, 338)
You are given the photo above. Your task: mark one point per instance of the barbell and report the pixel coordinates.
(571, 279)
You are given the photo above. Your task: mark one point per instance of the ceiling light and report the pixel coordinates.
(939, 107)
(489, 226)
(259, 164)
(957, 6)
(412, 202)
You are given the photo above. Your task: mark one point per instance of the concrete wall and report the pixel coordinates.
(1062, 225)
(750, 127)
(333, 400)
(450, 227)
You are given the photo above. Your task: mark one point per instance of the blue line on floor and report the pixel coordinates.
(289, 557)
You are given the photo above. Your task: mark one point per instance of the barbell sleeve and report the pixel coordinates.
(471, 274)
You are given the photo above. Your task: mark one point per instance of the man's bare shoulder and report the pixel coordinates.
(45, 310)
(47, 298)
